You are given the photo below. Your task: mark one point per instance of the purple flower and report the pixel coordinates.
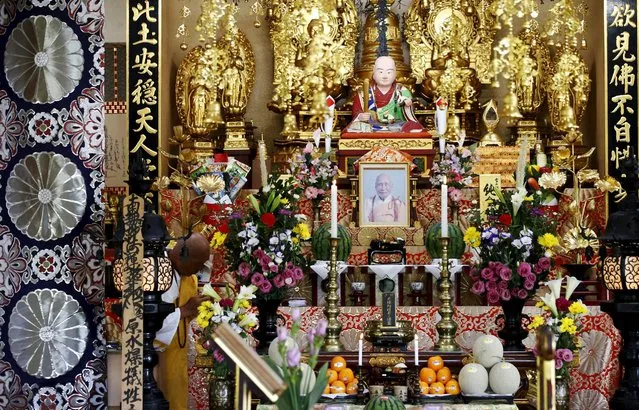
(523, 294)
(544, 263)
(478, 288)
(218, 356)
(566, 355)
(236, 215)
(537, 212)
(505, 273)
(278, 281)
(524, 269)
(257, 279)
(493, 297)
(265, 287)
(282, 334)
(320, 329)
(296, 315)
(298, 274)
(293, 357)
(244, 269)
(285, 212)
(505, 295)
(558, 363)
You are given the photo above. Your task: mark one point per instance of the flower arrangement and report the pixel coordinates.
(563, 316)
(304, 389)
(456, 165)
(581, 236)
(263, 241)
(314, 171)
(514, 243)
(232, 309)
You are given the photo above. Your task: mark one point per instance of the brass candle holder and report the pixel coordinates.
(446, 327)
(331, 311)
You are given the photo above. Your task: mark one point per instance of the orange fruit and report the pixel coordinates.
(338, 387)
(351, 388)
(327, 389)
(338, 363)
(435, 362)
(346, 375)
(331, 375)
(437, 388)
(428, 375)
(452, 387)
(443, 375)
(423, 387)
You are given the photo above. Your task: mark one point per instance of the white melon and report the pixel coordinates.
(473, 379)
(504, 378)
(488, 350)
(308, 379)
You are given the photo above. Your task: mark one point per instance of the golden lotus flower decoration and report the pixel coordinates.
(210, 184)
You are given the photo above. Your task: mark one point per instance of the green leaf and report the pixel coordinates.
(320, 384)
(254, 202)
(275, 203)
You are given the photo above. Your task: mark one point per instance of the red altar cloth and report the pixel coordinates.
(592, 383)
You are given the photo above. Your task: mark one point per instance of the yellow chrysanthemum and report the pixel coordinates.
(218, 239)
(548, 241)
(472, 237)
(536, 322)
(578, 308)
(568, 326)
(284, 201)
(302, 231)
(245, 304)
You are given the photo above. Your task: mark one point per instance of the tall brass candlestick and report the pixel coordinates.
(446, 327)
(331, 311)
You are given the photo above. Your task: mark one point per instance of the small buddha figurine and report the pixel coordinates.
(389, 105)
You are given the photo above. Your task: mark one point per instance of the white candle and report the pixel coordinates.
(542, 160)
(444, 208)
(416, 351)
(327, 144)
(334, 210)
(442, 144)
(261, 152)
(360, 348)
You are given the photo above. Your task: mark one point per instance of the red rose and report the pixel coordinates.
(563, 304)
(224, 228)
(268, 219)
(544, 170)
(505, 219)
(214, 207)
(226, 302)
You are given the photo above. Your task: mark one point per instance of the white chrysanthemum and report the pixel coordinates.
(552, 180)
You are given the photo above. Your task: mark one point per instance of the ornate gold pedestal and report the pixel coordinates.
(530, 131)
(239, 135)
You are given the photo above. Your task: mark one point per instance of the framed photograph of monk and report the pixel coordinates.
(383, 194)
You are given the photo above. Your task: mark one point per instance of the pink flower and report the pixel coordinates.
(282, 334)
(259, 253)
(311, 192)
(455, 194)
(491, 286)
(558, 363)
(523, 294)
(487, 274)
(298, 274)
(244, 269)
(278, 281)
(308, 148)
(505, 295)
(529, 284)
(565, 355)
(524, 269)
(544, 263)
(273, 267)
(493, 297)
(265, 287)
(265, 260)
(501, 285)
(293, 357)
(257, 279)
(505, 273)
(478, 288)
(320, 330)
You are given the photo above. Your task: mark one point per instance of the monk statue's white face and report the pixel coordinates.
(384, 72)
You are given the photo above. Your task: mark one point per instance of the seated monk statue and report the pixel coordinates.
(390, 107)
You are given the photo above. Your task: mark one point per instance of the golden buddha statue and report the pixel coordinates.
(201, 95)
(233, 85)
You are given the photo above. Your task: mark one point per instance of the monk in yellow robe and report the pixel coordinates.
(176, 327)
(384, 207)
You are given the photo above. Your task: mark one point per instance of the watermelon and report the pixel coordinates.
(385, 403)
(321, 245)
(456, 244)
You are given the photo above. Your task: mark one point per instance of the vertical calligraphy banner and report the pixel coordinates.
(487, 184)
(143, 88)
(621, 92)
(132, 304)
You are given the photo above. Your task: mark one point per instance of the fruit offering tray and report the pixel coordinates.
(338, 398)
(488, 397)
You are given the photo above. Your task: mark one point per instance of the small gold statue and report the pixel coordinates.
(232, 85)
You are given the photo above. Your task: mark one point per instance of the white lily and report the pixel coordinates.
(208, 290)
(571, 285)
(249, 320)
(549, 300)
(517, 199)
(555, 287)
(247, 292)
